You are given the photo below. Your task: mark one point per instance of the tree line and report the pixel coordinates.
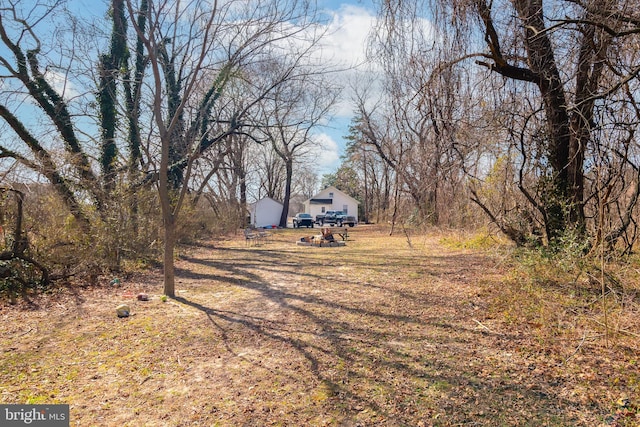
(522, 111)
(526, 110)
(195, 102)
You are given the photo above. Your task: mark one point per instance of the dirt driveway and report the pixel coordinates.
(377, 333)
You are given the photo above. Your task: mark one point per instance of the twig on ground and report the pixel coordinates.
(484, 326)
(24, 333)
(623, 331)
(584, 337)
(406, 233)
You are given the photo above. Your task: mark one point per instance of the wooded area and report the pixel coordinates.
(493, 150)
(168, 120)
(184, 99)
(528, 108)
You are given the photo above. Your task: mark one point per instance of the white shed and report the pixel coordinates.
(331, 199)
(265, 212)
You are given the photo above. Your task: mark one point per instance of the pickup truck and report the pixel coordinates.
(331, 218)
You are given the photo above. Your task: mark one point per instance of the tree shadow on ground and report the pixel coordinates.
(386, 352)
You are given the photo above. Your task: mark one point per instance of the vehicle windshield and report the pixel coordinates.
(304, 215)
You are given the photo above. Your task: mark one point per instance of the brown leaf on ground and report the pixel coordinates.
(374, 333)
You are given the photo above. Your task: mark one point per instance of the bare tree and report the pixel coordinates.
(565, 63)
(416, 121)
(372, 174)
(271, 172)
(197, 42)
(65, 111)
(289, 117)
(24, 67)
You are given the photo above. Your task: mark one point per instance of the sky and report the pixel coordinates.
(349, 28)
(349, 25)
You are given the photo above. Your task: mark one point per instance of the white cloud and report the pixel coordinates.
(342, 39)
(347, 35)
(61, 84)
(345, 46)
(326, 153)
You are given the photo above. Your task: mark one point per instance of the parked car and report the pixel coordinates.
(302, 220)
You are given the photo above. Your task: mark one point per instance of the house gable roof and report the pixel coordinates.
(322, 195)
(320, 201)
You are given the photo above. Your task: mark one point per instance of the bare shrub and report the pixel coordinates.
(128, 233)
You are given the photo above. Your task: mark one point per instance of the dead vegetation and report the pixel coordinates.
(375, 333)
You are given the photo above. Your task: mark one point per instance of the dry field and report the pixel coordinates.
(377, 333)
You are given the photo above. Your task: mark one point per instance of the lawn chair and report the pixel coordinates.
(250, 236)
(263, 235)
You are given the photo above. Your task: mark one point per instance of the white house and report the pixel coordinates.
(265, 212)
(331, 199)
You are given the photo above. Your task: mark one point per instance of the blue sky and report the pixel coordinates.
(348, 27)
(351, 24)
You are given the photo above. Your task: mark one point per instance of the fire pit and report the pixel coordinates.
(325, 239)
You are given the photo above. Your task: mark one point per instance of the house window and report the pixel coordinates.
(331, 195)
(323, 208)
(345, 209)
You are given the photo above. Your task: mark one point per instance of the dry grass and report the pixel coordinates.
(376, 333)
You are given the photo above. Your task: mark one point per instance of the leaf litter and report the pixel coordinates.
(375, 333)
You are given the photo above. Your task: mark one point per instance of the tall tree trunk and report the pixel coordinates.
(242, 175)
(110, 66)
(593, 51)
(168, 199)
(287, 193)
(542, 63)
(132, 100)
(365, 210)
(169, 248)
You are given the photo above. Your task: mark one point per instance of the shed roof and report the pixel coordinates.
(263, 200)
